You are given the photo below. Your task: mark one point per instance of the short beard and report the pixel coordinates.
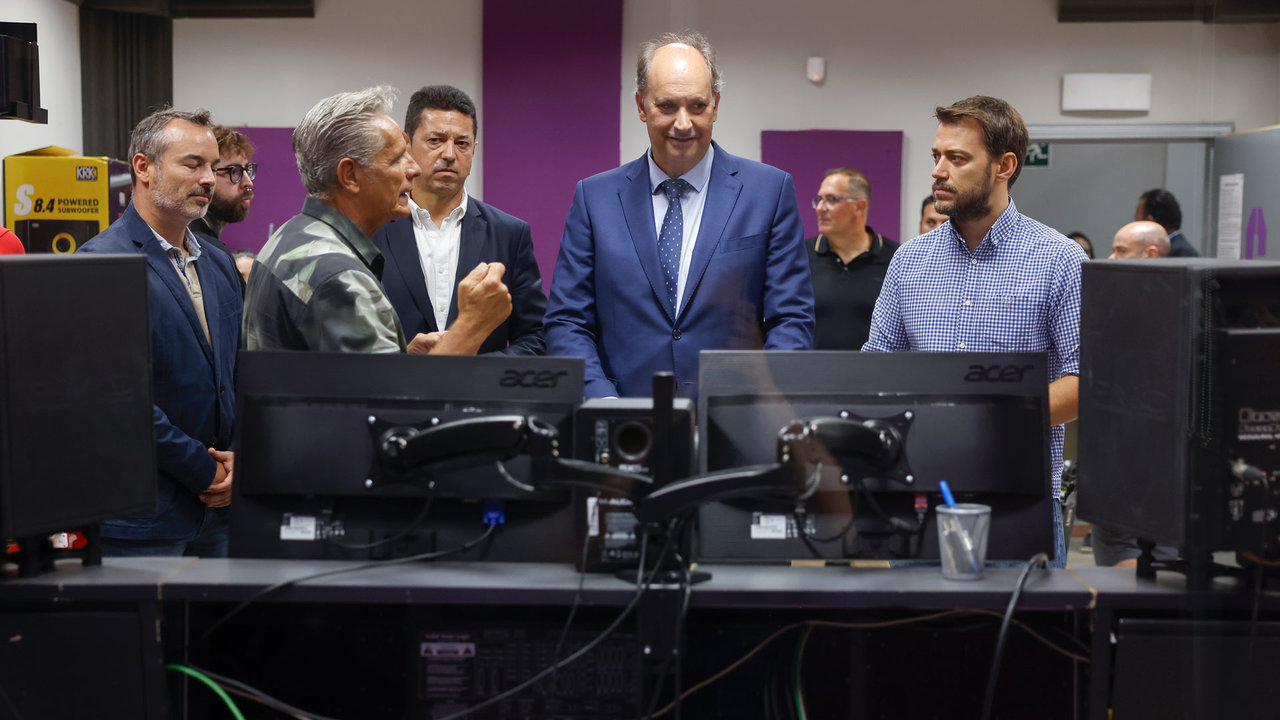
(171, 198)
(227, 211)
(971, 205)
(173, 205)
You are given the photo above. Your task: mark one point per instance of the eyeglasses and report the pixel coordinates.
(235, 172)
(830, 200)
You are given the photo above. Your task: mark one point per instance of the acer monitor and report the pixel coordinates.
(980, 421)
(311, 482)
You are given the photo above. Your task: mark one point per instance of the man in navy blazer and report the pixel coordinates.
(448, 233)
(195, 307)
(728, 269)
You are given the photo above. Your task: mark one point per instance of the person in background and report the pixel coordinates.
(244, 263)
(1160, 206)
(233, 190)
(930, 218)
(1140, 240)
(1083, 241)
(847, 261)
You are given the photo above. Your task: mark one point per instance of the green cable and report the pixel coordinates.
(799, 659)
(235, 711)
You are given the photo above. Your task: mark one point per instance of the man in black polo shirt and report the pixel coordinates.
(847, 262)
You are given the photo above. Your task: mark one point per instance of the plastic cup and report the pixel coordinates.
(962, 539)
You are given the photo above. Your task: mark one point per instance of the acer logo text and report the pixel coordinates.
(996, 373)
(531, 378)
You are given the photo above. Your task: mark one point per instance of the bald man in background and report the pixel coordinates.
(1140, 240)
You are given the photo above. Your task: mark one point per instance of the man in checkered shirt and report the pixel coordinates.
(990, 279)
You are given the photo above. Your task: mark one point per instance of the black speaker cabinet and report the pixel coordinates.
(76, 437)
(619, 432)
(20, 73)
(1179, 371)
(61, 237)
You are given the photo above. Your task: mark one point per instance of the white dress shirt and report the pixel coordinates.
(438, 249)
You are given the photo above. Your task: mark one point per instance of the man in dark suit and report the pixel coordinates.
(195, 306)
(687, 248)
(1160, 206)
(449, 232)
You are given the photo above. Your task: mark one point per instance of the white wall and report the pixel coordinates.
(888, 64)
(57, 32)
(268, 73)
(1071, 194)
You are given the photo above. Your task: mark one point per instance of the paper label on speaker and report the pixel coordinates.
(298, 527)
(768, 526)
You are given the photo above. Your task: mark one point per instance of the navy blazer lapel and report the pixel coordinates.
(723, 190)
(402, 245)
(637, 208)
(162, 265)
(475, 233)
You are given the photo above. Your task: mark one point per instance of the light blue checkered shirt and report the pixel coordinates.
(1018, 292)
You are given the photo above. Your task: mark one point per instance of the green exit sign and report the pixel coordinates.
(1037, 155)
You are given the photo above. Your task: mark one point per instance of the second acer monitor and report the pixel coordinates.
(979, 421)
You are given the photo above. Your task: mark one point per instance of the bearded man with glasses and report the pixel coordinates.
(232, 189)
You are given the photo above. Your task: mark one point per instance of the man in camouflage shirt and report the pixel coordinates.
(315, 285)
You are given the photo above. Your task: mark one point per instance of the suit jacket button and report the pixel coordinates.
(675, 334)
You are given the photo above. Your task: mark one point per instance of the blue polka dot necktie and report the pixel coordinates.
(671, 236)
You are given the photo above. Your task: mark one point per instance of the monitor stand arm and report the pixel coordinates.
(801, 444)
(403, 449)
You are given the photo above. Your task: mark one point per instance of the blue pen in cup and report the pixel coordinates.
(947, 497)
(956, 538)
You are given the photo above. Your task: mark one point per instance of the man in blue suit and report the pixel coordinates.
(687, 248)
(448, 233)
(195, 307)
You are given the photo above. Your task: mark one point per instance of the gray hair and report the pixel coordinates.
(339, 126)
(858, 184)
(150, 139)
(693, 39)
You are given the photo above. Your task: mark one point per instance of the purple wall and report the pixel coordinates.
(809, 154)
(277, 192)
(551, 82)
